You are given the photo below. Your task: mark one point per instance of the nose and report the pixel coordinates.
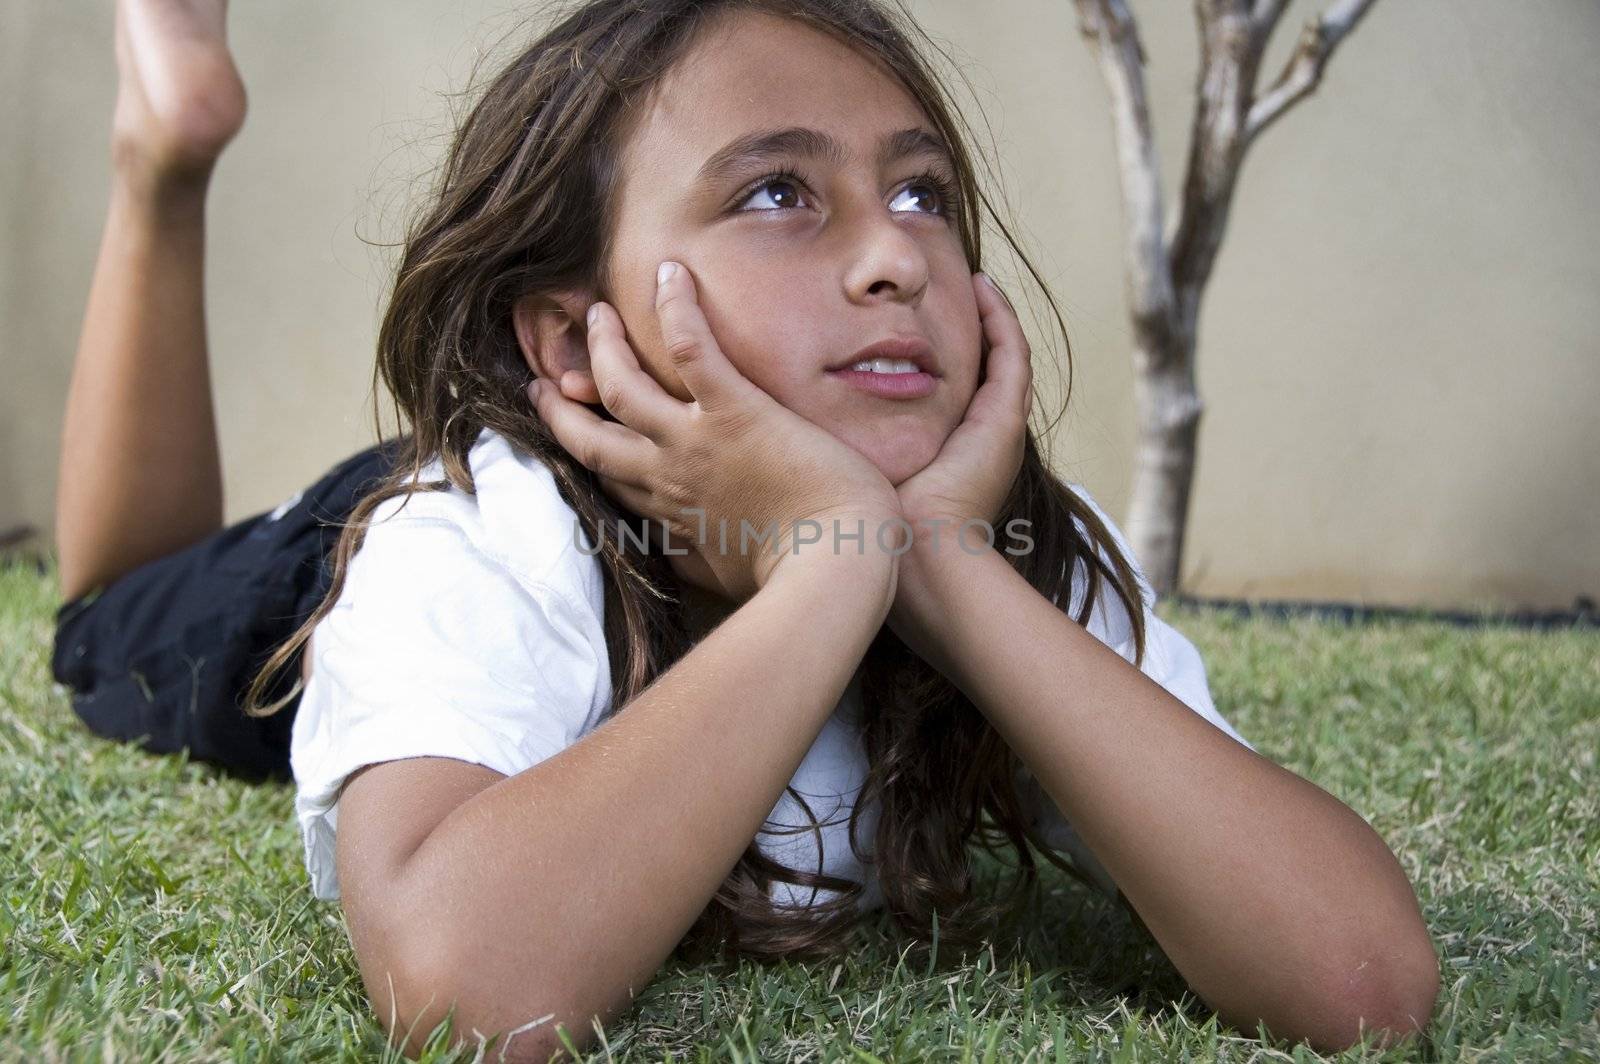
(886, 263)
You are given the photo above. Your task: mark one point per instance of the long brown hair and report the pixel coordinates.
(524, 205)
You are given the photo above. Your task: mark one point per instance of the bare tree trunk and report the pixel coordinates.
(1169, 426)
(1166, 276)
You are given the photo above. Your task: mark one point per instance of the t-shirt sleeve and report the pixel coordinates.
(436, 649)
(1170, 659)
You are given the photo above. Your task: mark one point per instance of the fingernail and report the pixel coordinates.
(666, 271)
(594, 312)
(989, 281)
(533, 389)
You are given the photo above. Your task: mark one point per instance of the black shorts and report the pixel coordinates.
(162, 655)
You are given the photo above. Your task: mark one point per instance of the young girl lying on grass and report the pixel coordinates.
(701, 271)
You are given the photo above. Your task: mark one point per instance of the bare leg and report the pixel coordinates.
(140, 475)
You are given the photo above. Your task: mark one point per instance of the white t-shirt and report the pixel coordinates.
(470, 626)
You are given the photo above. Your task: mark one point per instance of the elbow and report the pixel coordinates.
(1381, 983)
(1387, 998)
(433, 997)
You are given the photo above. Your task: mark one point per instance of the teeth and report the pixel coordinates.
(886, 365)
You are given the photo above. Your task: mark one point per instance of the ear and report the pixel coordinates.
(554, 337)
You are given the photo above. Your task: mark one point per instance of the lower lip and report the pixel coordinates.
(888, 385)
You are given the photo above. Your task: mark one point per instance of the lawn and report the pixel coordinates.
(154, 909)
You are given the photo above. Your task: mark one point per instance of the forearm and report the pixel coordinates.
(563, 888)
(1275, 900)
(139, 476)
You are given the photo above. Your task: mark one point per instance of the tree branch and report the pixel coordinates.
(1302, 73)
(1266, 16)
(1229, 56)
(1114, 36)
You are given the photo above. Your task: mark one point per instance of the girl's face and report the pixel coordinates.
(797, 274)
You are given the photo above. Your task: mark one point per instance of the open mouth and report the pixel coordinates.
(901, 367)
(888, 378)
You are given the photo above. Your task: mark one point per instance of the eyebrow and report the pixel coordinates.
(809, 143)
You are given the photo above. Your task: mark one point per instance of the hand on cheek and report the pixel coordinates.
(731, 454)
(974, 470)
(968, 480)
(579, 384)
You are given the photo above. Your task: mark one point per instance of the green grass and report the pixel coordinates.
(154, 909)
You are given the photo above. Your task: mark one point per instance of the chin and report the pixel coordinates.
(900, 447)
(899, 461)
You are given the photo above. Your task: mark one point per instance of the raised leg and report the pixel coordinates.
(140, 475)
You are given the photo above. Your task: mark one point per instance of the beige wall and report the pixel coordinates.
(1399, 354)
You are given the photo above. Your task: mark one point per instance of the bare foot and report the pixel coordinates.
(180, 99)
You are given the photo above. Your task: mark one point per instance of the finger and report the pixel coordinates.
(608, 448)
(1008, 368)
(624, 388)
(694, 352)
(631, 499)
(635, 499)
(643, 503)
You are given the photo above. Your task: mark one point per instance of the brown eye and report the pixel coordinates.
(782, 191)
(936, 193)
(929, 197)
